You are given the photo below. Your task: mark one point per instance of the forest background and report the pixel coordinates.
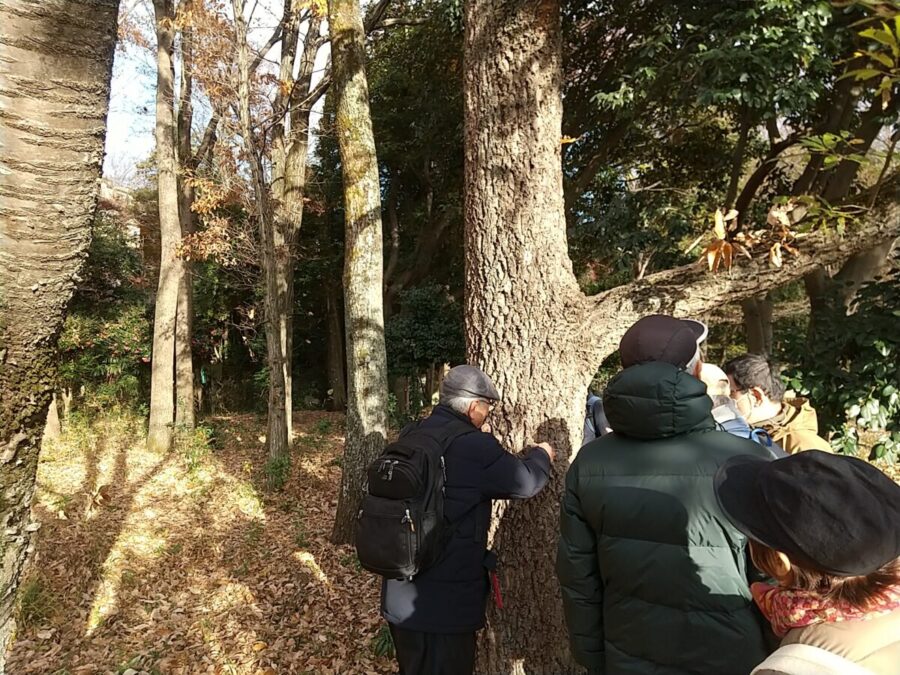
(305, 234)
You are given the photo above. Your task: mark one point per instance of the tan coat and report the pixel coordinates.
(796, 427)
(873, 644)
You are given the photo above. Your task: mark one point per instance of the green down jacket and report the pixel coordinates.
(653, 576)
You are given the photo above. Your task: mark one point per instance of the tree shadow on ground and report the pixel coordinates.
(217, 577)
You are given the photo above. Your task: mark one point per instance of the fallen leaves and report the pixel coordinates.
(196, 571)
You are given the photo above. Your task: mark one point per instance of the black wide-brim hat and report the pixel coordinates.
(830, 513)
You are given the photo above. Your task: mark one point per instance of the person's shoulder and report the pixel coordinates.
(476, 443)
(728, 445)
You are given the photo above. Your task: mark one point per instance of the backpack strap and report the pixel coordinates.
(445, 434)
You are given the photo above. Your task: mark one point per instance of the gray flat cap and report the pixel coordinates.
(468, 382)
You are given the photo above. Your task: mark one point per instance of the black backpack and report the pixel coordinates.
(401, 529)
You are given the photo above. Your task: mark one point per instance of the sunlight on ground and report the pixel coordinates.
(174, 564)
(309, 561)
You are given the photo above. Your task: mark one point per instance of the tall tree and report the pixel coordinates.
(55, 68)
(528, 324)
(363, 264)
(171, 267)
(278, 194)
(187, 163)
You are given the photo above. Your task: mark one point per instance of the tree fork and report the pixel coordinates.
(528, 324)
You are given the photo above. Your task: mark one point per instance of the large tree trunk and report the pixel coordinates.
(184, 315)
(529, 326)
(363, 274)
(522, 301)
(55, 67)
(171, 267)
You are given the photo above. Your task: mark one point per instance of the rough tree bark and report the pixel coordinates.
(171, 267)
(528, 325)
(523, 303)
(363, 273)
(55, 68)
(184, 315)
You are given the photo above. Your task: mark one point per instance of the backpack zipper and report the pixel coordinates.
(408, 519)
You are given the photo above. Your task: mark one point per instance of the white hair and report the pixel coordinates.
(458, 404)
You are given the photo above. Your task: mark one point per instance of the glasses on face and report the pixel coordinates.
(490, 406)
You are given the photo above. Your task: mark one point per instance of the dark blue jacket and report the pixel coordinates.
(450, 596)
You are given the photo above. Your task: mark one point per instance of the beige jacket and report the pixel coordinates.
(796, 427)
(873, 644)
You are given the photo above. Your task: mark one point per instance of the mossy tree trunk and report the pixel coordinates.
(363, 264)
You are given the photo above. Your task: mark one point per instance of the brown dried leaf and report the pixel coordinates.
(775, 258)
(719, 227)
(727, 255)
(778, 215)
(743, 251)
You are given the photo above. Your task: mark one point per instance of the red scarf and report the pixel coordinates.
(787, 608)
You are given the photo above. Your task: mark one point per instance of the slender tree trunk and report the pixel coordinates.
(184, 316)
(737, 159)
(287, 191)
(277, 437)
(363, 273)
(55, 67)
(171, 267)
(337, 380)
(400, 389)
(758, 324)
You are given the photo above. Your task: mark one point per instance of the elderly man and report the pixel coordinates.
(760, 397)
(434, 617)
(653, 576)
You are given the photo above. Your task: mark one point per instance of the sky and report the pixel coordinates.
(129, 133)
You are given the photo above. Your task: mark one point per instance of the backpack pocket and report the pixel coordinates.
(396, 477)
(386, 537)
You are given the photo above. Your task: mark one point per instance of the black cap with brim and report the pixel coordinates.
(664, 338)
(831, 513)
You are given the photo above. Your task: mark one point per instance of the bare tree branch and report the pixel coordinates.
(401, 21)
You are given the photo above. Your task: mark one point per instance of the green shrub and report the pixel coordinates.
(851, 370)
(35, 602)
(383, 643)
(277, 470)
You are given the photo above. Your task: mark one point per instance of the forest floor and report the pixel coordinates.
(183, 563)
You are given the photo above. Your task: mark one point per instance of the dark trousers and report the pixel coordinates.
(433, 653)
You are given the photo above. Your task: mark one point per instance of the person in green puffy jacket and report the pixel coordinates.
(654, 577)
